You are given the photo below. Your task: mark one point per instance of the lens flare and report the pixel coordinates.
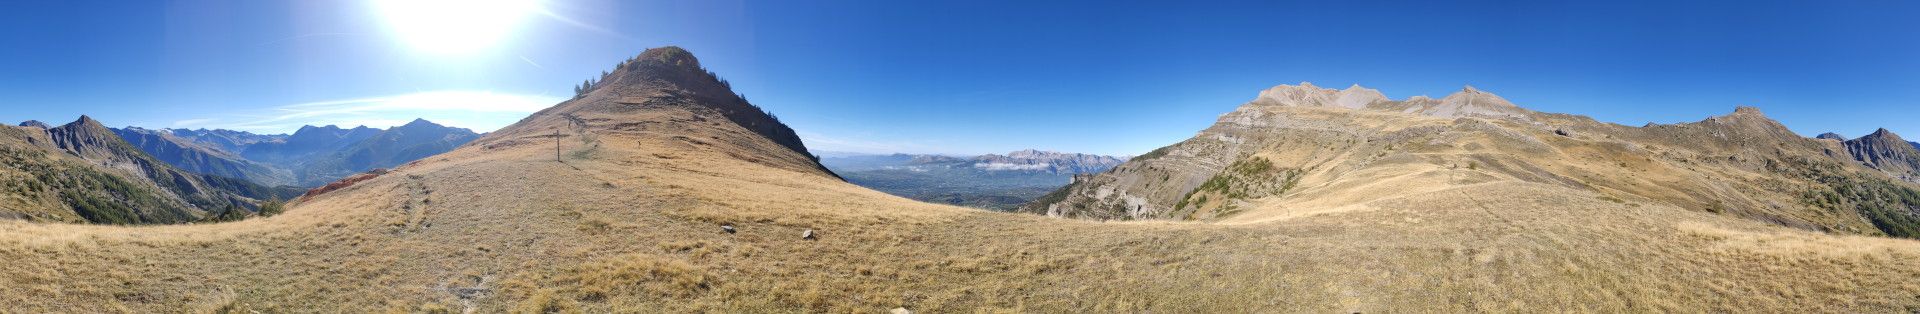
(454, 26)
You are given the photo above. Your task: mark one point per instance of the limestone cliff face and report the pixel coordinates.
(1304, 147)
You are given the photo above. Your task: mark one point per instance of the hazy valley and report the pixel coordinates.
(992, 181)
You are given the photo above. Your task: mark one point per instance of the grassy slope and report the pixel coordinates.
(630, 222)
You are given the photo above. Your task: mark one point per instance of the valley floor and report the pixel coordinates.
(619, 230)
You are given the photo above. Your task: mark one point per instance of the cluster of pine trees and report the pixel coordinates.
(589, 84)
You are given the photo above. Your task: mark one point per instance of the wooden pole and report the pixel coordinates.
(556, 146)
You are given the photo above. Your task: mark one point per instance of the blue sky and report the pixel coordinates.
(959, 77)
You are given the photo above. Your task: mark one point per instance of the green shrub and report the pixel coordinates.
(272, 207)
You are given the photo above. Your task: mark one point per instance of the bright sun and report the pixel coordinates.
(454, 26)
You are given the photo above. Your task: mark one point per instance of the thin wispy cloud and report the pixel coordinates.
(478, 110)
(192, 122)
(583, 25)
(822, 142)
(530, 61)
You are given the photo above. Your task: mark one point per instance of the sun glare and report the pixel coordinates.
(454, 26)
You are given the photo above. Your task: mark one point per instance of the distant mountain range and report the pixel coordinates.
(992, 181)
(192, 156)
(311, 156)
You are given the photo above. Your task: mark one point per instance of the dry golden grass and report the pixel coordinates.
(632, 225)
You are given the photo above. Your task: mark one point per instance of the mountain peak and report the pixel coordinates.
(671, 56)
(35, 123)
(1469, 96)
(85, 122)
(1748, 110)
(420, 122)
(1469, 91)
(1307, 95)
(1883, 135)
(1831, 136)
(666, 78)
(1887, 152)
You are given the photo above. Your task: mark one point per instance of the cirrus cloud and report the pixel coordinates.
(479, 110)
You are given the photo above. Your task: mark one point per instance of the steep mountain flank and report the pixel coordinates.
(225, 140)
(307, 143)
(1304, 150)
(1887, 152)
(668, 81)
(82, 171)
(661, 204)
(388, 148)
(192, 156)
